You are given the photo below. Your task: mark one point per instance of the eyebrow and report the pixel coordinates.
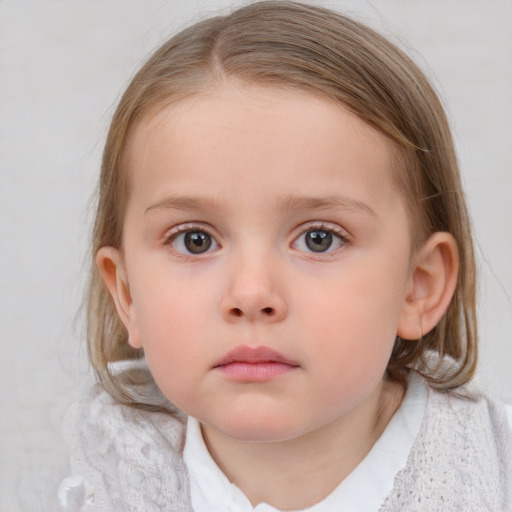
(290, 203)
(185, 203)
(296, 203)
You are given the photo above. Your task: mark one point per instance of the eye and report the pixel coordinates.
(319, 240)
(193, 241)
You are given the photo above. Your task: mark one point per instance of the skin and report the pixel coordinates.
(257, 169)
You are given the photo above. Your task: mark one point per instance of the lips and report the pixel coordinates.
(254, 355)
(254, 364)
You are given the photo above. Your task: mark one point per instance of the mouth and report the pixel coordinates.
(248, 364)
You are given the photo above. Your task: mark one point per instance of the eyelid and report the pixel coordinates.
(324, 226)
(189, 226)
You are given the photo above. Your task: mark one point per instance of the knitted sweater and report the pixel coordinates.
(128, 460)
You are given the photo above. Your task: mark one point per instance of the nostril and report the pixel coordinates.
(238, 312)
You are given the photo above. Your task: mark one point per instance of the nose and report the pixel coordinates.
(254, 293)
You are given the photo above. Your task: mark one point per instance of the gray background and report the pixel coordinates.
(63, 65)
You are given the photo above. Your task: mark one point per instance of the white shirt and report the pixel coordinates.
(212, 491)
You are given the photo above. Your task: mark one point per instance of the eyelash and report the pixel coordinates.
(311, 226)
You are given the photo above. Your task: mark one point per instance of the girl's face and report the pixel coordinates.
(267, 256)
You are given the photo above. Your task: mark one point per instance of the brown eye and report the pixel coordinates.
(193, 242)
(197, 242)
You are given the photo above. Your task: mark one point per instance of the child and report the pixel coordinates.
(282, 311)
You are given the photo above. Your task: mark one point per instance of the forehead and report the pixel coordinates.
(250, 136)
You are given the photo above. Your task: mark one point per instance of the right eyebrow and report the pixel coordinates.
(185, 203)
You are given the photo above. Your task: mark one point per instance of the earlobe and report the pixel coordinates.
(112, 269)
(432, 285)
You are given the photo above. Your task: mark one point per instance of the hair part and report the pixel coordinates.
(301, 47)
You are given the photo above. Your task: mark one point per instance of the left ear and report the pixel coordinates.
(432, 283)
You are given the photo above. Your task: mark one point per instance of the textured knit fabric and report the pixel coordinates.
(127, 460)
(460, 461)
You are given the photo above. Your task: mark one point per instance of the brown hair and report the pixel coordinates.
(291, 45)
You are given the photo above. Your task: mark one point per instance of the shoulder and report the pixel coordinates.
(473, 409)
(122, 458)
(467, 414)
(96, 414)
(461, 458)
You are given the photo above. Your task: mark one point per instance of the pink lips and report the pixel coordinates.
(248, 364)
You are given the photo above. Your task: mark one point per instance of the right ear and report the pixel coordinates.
(110, 263)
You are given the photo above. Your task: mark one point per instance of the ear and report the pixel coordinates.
(110, 263)
(432, 283)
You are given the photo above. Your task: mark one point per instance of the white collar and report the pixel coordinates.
(364, 489)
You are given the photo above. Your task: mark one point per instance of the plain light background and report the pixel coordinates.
(63, 65)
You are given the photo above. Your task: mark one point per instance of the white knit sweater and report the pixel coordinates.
(128, 460)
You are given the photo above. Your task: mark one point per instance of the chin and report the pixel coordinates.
(259, 430)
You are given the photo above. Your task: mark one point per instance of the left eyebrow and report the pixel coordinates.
(296, 203)
(186, 203)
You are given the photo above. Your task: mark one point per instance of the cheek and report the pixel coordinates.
(174, 321)
(170, 305)
(350, 350)
(355, 317)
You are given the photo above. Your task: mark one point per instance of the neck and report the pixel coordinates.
(297, 473)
